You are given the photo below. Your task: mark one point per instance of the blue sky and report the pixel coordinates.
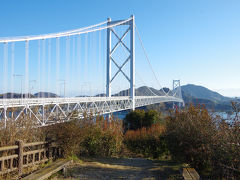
(195, 41)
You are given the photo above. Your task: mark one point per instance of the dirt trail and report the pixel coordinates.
(123, 168)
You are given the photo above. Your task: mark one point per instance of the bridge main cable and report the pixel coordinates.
(149, 63)
(64, 34)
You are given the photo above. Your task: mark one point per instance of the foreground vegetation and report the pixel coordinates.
(193, 136)
(208, 144)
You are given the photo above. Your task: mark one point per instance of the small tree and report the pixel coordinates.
(139, 118)
(151, 117)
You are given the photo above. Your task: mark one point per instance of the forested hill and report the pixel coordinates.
(203, 93)
(193, 94)
(200, 95)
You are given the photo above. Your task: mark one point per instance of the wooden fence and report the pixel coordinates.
(17, 157)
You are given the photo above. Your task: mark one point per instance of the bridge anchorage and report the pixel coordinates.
(63, 56)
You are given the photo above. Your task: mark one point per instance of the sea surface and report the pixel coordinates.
(121, 114)
(225, 116)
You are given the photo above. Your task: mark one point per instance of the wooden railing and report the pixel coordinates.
(17, 157)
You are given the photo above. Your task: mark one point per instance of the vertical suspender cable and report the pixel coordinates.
(12, 70)
(78, 66)
(44, 65)
(73, 67)
(49, 64)
(92, 64)
(39, 66)
(5, 70)
(43, 77)
(67, 64)
(103, 59)
(99, 60)
(57, 65)
(87, 64)
(26, 69)
(86, 57)
(93, 53)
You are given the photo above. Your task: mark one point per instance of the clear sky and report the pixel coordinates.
(196, 41)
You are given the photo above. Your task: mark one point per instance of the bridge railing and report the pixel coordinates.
(38, 101)
(17, 157)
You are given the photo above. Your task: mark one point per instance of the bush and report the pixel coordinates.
(24, 128)
(210, 146)
(84, 137)
(149, 142)
(102, 138)
(139, 118)
(67, 135)
(226, 147)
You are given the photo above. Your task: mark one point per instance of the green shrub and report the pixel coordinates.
(100, 143)
(149, 142)
(139, 118)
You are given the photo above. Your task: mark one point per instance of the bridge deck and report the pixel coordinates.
(48, 101)
(50, 110)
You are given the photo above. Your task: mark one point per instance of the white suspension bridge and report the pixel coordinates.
(75, 59)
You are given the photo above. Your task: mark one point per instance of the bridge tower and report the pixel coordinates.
(177, 91)
(131, 57)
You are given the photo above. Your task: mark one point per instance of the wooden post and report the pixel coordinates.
(49, 151)
(34, 156)
(3, 166)
(49, 148)
(39, 156)
(64, 171)
(20, 157)
(11, 163)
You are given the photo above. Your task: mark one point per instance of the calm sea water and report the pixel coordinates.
(121, 114)
(227, 117)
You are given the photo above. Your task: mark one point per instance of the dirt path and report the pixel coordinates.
(123, 168)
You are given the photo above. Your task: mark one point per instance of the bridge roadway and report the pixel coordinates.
(50, 110)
